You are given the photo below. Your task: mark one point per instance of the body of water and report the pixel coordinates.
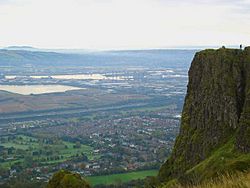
(73, 77)
(37, 89)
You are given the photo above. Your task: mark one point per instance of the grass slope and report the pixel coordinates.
(224, 160)
(238, 180)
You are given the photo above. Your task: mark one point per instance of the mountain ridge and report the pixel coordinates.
(165, 58)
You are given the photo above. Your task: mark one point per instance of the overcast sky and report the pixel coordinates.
(122, 24)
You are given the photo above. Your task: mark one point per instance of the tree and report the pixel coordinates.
(67, 179)
(77, 145)
(82, 166)
(4, 172)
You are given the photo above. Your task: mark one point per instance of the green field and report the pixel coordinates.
(118, 178)
(28, 145)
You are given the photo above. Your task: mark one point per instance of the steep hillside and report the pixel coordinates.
(215, 125)
(237, 180)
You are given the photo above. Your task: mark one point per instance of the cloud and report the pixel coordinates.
(5, 2)
(123, 23)
(211, 2)
(236, 5)
(14, 2)
(239, 7)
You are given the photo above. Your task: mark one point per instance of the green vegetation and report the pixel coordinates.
(120, 178)
(237, 180)
(66, 179)
(223, 160)
(214, 135)
(23, 183)
(45, 151)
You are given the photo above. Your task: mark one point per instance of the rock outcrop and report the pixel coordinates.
(216, 110)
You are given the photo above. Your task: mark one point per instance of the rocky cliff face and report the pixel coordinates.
(243, 136)
(216, 109)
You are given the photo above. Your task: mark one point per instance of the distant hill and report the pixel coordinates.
(215, 126)
(148, 58)
(27, 48)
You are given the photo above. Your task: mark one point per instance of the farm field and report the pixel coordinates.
(121, 178)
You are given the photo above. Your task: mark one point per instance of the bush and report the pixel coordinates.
(67, 179)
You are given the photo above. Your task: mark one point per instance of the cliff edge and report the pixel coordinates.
(215, 125)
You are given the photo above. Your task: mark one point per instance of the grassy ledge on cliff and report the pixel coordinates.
(215, 126)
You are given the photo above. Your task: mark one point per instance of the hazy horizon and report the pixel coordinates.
(14, 47)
